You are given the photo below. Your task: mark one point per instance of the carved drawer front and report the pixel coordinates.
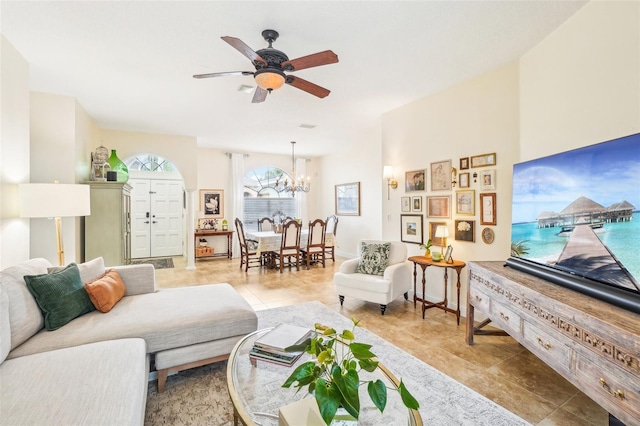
(547, 347)
(478, 299)
(506, 318)
(610, 386)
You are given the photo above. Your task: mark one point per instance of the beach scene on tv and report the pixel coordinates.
(579, 211)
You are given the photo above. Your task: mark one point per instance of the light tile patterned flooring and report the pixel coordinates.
(496, 367)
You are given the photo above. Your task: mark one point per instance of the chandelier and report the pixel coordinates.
(297, 184)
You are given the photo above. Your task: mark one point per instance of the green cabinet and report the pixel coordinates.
(107, 231)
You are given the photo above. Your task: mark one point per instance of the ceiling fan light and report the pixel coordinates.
(269, 79)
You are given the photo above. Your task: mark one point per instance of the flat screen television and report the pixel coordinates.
(576, 220)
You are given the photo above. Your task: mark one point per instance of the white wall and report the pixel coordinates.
(62, 134)
(53, 157)
(581, 85)
(358, 161)
(14, 153)
(476, 117)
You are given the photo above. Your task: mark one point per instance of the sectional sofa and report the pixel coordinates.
(95, 368)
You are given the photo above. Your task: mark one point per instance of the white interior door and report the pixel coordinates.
(156, 228)
(141, 218)
(166, 218)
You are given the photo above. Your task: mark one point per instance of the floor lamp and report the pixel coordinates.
(55, 200)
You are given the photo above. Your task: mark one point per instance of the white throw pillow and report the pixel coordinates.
(89, 271)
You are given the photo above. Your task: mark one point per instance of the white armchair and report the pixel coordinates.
(382, 289)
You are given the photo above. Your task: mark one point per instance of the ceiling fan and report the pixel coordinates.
(270, 65)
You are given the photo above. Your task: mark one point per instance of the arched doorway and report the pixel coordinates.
(157, 207)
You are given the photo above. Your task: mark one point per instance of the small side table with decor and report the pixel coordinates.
(209, 253)
(424, 263)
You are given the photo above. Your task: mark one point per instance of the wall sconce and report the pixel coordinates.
(475, 177)
(387, 173)
(454, 175)
(442, 232)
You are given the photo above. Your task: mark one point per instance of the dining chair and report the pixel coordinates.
(290, 244)
(315, 243)
(265, 224)
(332, 227)
(248, 255)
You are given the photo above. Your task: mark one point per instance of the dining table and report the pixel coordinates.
(270, 240)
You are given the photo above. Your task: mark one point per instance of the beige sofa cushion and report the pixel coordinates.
(5, 327)
(165, 319)
(99, 384)
(25, 317)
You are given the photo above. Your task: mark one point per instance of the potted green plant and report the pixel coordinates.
(332, 374)
(426, 248)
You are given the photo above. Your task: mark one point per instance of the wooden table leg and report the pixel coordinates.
(446, 284)
(458, 302)
(414, 286)
(469, 334)
(424, 274)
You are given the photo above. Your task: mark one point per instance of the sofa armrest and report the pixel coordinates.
(349, 266)
(138, 279)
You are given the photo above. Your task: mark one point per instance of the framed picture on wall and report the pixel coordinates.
(416, 204)
(488, 208)
(464, 180)
(483, 160)
(488, 179)
(439, 206)
(436, 241)
(212, 203)
(411, 228)
(466, 230)
(441, 176)
(464, 163)
(348, 199)
(405, 203)
(415, 180)
(465, 202)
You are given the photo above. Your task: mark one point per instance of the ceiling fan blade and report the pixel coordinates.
(222, 74)
(241, 47)
(315, 60)
(260, 95)
(307, 86)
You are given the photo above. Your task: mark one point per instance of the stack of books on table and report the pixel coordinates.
(272, 346)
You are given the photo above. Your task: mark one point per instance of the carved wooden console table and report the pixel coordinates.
(594, 345)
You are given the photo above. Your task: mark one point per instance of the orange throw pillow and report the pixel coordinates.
(106, 291)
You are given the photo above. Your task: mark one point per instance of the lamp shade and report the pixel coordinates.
(442, 232)
(54, 200)
(269, 79)
(387, 172)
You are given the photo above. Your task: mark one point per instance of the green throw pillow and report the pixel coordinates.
(61, 296)
(373, 258)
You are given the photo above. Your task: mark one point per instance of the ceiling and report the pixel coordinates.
(130, 63)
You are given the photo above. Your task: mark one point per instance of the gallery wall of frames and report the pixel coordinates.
(460, 194)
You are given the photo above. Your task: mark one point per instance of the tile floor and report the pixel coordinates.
(497, 367)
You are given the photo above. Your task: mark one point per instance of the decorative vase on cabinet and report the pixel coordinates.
(118, 166)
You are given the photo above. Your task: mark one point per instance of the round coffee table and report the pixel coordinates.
(255, 388)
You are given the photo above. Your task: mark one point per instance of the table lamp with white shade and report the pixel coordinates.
(55, 200)
(442, 232)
